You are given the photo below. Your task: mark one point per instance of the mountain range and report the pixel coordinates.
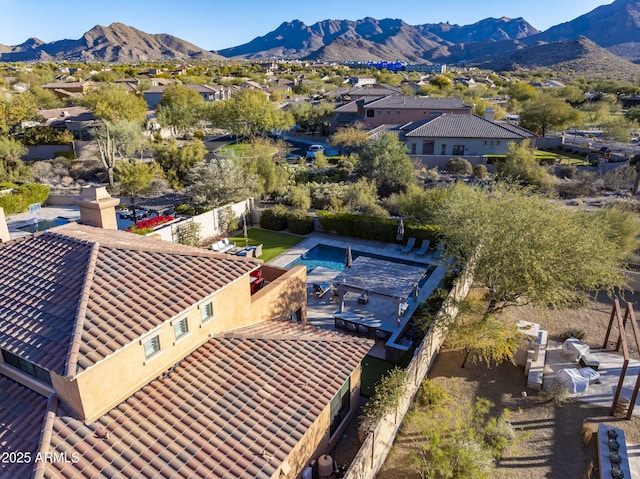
(605, 40)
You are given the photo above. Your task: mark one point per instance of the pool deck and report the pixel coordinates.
(19, 220)
(378, 313)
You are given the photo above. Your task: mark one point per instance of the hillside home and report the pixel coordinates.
(126, 356)
(77, 119)
(66, 90)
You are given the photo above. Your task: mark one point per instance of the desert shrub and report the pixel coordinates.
(556, 394)
(274, 218)
(199, 134)
(432, 394)
(22, 196)
(480, 171)
(459, 166)
(299, 197)
(46, 135)
(567, 171)
(299, 222)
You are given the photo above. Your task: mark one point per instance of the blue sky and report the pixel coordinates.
(214, 25)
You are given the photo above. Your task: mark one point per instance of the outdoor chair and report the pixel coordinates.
(424, 247)
(439, 250)
(410, 244)
(320, 289)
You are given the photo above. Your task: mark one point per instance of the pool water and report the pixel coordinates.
(43, 225)
(332, 257)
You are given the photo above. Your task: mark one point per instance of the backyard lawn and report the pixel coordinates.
(274, 243)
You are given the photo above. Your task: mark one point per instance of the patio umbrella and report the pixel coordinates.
(348, 259)
(244, 230)
(400, 233)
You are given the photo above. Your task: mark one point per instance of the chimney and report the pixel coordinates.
(489, 114)
(98, 208)
(4, 229)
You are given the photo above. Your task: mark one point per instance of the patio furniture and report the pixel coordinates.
(320, 289)
(439, 250)
(363, 298)
(410, 244)
(257, 285)
(222, 246)
(424, 247)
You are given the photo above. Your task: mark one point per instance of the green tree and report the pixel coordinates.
(522, 91)
(459, 166)
(176, 160)
(526, 250)
(521, 165)
(16, 108)
(249, 114)
(113, 103)
(362, 197)
(181, 108)
(386, 161)
(312, 117)
(217, 182)
(388, 394)
(11, 166)
(441, 81)
(350, 138)
(136, 179)
(545, 112)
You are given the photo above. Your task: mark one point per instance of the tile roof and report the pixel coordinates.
(22, 413)
(235, 408)
(464, 126)
(417, 102)
(75, 294)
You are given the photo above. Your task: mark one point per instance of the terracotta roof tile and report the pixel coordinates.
(235, 408)
(66, 291)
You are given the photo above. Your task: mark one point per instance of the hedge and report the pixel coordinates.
(299, 222)
(274, 218)
(371, 227)
(22, 196)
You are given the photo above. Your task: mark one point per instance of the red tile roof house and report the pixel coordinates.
(126, 356)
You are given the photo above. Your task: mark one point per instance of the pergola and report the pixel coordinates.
(377, 278)
(629, 316)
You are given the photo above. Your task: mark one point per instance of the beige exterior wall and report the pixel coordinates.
(397, 116)
(100, 388)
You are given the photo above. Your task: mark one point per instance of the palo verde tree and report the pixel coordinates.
(249, 114)
(136, 179)
(312, 117)
(177, 160)
(521, 166)
(181, 108)
(350, 138)
(545, 112)
(113, 103)
(527, 250)
(386, 161)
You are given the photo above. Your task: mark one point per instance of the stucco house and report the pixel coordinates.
(457, 135)
(399, 109)
(127, 356)
(154, 95)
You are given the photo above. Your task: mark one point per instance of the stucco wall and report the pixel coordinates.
(90, 395)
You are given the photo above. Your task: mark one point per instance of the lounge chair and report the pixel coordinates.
(424, 247)
(320, 289)
(410, 244)
(439, 250)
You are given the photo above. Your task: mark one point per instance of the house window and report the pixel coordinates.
(398, 112)
(443, 149)
(388, 112)
(206, 312)
(413, 148)
(151, 346)
(340, 407)
(180, 327)
(26, 367)
(458, 149)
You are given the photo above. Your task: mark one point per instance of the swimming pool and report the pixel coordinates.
(43, 225)
(333, 257)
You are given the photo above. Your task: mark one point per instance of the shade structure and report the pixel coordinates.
(244, 230)
(400, 233)
(348, 259)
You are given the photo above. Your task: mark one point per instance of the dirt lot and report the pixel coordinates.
(549, 442)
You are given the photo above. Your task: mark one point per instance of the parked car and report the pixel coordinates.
(314, 150)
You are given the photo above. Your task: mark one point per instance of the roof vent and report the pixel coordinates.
(103, 433)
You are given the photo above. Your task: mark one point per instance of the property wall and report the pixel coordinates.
(440, 161)
(376, 446)
(45, 152)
